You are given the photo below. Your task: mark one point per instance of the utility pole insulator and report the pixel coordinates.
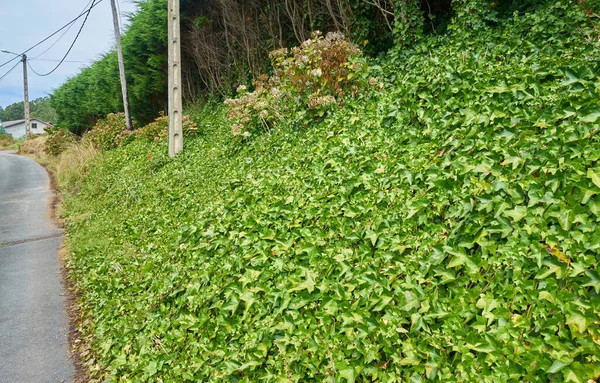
(26, 97)
(175, 104)
(121, 66)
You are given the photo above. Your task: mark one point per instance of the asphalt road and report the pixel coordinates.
(33, 323)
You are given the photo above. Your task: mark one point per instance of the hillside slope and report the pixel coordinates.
(443, 229)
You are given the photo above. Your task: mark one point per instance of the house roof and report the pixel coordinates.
(8, 124)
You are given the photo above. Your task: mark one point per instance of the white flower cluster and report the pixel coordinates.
(316, 72)
(275, 92)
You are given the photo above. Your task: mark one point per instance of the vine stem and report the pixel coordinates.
(285, 365)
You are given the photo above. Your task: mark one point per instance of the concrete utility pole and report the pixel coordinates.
(175, 105)
(121, 65)
(26, 86)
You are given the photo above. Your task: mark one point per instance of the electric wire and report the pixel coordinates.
(85, 13)
(61, 36)
(11, 60)
(120, 21)
(66, 61)
(10, 70)
(71, 47)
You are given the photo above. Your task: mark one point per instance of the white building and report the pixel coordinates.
(17, 128)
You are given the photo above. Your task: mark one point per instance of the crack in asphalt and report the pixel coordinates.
(27, 240)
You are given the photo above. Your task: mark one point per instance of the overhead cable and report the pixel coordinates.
(61, 36)
(10, 70)
(71, 47)
(84, 13)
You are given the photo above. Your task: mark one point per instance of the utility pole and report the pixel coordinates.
(175, 105)
(121, 65)
(26, 86)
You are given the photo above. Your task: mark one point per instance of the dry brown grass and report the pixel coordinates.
(34, 147)
(7, 142)
(69, 167)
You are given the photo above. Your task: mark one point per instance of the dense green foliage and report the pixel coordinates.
(12, 112)
(39, 108)
(227, 42)
(443, 229)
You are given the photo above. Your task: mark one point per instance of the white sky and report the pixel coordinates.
(23, 23)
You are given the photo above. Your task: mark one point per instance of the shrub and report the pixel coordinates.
(110, 132)
(57, 140)
(307, 82)
(158, 130)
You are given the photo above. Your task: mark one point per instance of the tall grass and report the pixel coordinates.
(72, 164)
(69, 167)
(34, 147)
(7, 142)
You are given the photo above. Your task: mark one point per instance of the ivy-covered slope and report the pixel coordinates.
(446, 229)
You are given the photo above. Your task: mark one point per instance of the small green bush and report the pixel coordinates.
(112, 132)
(307, 82)
(158, 130)
(58, 140)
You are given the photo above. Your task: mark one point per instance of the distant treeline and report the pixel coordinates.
(38, 108)
(227, 42)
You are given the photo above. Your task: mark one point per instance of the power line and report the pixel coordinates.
(11, 60)
(120, 21)
(66, 61)
(10, 70)
(71, 47)
(62, 35)
(85, 13)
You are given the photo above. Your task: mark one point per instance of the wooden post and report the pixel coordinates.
(121, 65)
(175, 105)
(26, 97)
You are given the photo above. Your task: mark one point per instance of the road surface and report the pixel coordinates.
(33, 323)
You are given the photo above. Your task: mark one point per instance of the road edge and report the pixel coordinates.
(71, 292)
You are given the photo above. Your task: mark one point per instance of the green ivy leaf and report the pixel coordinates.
(558, 365)
(577, 322)
(592, 117)
(593, 176)
(517, 213)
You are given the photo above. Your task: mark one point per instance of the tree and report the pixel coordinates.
(13, 112)
(41, 108)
